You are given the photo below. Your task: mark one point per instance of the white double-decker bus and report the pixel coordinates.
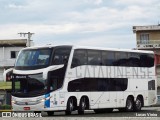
(69, 78)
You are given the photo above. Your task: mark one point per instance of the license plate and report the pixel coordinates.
(26, 108)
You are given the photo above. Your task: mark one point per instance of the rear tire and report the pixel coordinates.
(82, 106)
(138, 104)
(129, 104)
(70, 106)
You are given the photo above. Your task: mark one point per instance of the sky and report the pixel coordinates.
(99, 23)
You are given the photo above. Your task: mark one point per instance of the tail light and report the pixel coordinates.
(155, 63)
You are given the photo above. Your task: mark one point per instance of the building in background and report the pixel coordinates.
(8, 52)
(148, 38)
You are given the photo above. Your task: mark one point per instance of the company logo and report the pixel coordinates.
(26, 103)
(6, 114)
(20, 77)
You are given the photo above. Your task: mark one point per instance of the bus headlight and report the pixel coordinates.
(13, 102)
(42, 100)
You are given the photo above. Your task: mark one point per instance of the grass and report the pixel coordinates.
(5, 107)
(8, 85)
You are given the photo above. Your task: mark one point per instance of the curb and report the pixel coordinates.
(5, 110)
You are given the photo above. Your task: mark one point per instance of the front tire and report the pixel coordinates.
(138, 104)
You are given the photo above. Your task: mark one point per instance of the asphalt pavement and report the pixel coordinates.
(146, 113)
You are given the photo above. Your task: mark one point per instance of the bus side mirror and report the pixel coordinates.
(7, 74)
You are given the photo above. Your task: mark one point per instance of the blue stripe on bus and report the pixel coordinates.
(47, 102)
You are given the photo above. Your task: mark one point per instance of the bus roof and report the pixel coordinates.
(89, 47)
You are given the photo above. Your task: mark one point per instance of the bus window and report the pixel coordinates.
(151, 85)
(79, 58)
(133, 60)
(94, 57)
(146, 60)
(98, 84)
(121, 59)
(108, 58)
(61, 56)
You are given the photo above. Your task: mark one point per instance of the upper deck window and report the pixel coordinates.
(61, 56)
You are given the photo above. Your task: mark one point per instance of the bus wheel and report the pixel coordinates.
(82, 105)
(70, 106)
(129, 104)
(50, 113)
(138, 104)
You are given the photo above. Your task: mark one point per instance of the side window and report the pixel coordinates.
(121, 84)
(108, 58)
(117, 84)
(151, 85)
(133, 60)
(121, 59)
(56, 78)
(74, 86)
(98, 84)
(140, 60)
(94, 57)
(146, 60)
(79, 58)
(102, 84)
(83, 85)
(61, 56)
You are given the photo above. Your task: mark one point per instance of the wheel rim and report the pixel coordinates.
(138, 104)
(83, 104)
(129, 104)
(71, 105)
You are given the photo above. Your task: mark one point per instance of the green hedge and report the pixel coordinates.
(5, 107)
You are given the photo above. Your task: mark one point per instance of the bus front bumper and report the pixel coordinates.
(37, 107)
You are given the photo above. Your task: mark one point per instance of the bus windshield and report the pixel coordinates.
(33, 58)
(28, 85)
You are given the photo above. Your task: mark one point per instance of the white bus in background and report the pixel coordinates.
(69, 78)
